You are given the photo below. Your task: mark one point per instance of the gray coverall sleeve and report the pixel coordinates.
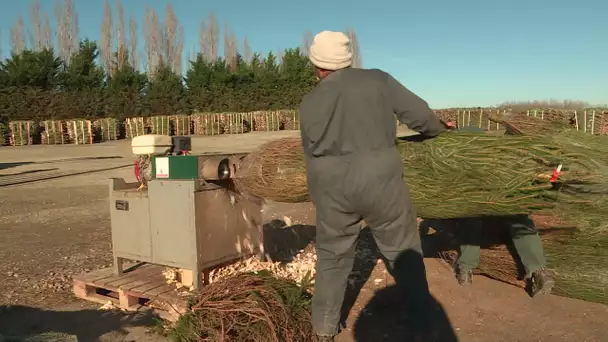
(412, 110)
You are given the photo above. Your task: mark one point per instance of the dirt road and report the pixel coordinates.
(52, 229)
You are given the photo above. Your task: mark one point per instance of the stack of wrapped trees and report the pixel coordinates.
(54, 132)
(108, 128)
(182, 125)
(207, 124)
(496, 175)
(478, 118)
(80, 131)
(159, 124)
(602, 122)
(235, 123)
(449, 114)
(290, 119)
(562, 115)
(135, 127)
(21, 132)
(266, 121)
(4, 134)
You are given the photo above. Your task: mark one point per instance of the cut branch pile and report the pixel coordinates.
(251, 307)
(452, 176)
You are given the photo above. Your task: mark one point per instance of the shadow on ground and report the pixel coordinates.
(282, 242)
(4, 166)
(405, 311)
(443, 235)
(29, 172)
(22, 323)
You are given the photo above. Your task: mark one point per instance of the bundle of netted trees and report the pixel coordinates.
(451, 176)
(54, 132)
(107, 129)
(80, 131)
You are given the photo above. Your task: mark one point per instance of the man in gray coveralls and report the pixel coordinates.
(354, 168)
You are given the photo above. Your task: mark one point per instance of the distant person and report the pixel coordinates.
(354, 169)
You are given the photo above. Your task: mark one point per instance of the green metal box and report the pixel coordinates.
(175, 167)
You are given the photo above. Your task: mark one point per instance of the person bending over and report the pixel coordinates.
(527, 243)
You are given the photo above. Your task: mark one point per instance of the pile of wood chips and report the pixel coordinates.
(299, 269)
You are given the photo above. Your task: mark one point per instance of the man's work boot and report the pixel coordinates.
(325, 338)
(465, 277)
(540, 283)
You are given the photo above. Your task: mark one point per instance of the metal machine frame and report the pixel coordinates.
(193, 224)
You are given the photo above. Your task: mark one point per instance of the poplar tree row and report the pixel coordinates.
(42, 78)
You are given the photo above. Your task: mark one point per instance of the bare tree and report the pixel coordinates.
(179, 50)
(172, 40)
(66, 18)
(230, 48)
(67, 29)
(106, 38)
(247, 54)
(133, 49)
(47, 32)
(192, 55)
(17, 38)
(203, 40)
(152, 40)
(74, 28)
(280, 55)
(121, 45)
(169, 33)
(213, 38)
(308, 38)
(61, 30)
(36, 36)
(354, 45)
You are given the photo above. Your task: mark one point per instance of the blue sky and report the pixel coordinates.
(451, 53)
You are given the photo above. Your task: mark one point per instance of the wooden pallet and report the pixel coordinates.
(139, 286)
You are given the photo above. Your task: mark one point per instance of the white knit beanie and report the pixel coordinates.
(331, 51)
